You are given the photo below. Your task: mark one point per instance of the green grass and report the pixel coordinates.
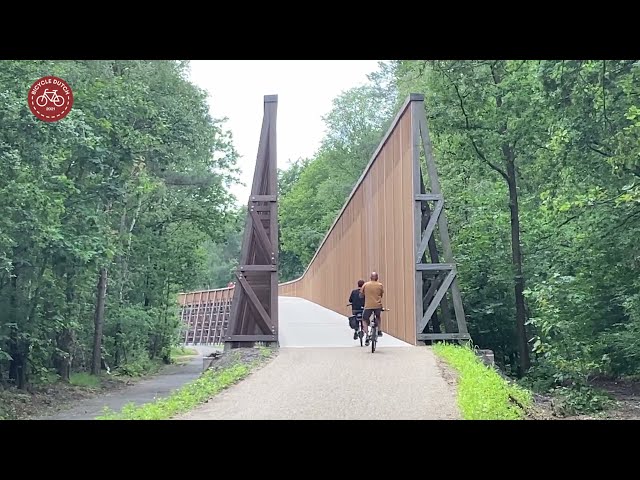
(84, 379)
(139, 367)
(186, 398)
(482, 393)
(182, 351)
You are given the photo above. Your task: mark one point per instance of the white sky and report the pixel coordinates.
(305, 90)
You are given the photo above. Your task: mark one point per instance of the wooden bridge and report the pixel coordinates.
(394, 222)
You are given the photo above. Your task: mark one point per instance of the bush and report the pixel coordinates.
(577, 400)
(140, 366)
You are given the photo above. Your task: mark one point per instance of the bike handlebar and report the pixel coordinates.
(383, 309)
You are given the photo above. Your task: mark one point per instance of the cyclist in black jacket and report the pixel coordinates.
(357, 304)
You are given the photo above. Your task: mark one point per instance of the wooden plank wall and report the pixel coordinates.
(373, 232)
(205, 315)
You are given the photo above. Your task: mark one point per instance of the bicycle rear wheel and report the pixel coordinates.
(374, 338)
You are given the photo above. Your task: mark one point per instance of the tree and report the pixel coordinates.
(133, 181)
(314, 190)
(493, 111)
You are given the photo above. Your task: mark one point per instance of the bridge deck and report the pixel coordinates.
(307, 324)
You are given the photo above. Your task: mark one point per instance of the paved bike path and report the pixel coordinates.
(332, 377)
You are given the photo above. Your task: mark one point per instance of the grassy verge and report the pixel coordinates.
(182, 351)
(47, 394)
(84, 379)
(186, 398)
(482, 393)
(182, 354)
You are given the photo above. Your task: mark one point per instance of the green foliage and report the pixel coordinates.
(135, 179)
(562, 342)
(570, 130)
(579, 400)
(222, 257)
(84, 379)
(572, 127)
(622, 342)
(482, 393)
(313, 191)
(290, 267)
(186, 398)
(183, 351)
(138, 367)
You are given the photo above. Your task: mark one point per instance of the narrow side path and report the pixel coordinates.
(145, 391)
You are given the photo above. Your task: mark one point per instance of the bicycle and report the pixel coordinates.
(358, 328)
(373, 330)
(50, 96)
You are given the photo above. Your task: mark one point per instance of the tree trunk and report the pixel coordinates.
(64, 342)
(166, 346)
(13, 318)
(99, 322)
(516, 254)
(66, 338)
(18, 362)
(123, 268)
(497, 71)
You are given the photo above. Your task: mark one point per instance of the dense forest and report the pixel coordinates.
(540, 166)
(105, 216)
(539, 163)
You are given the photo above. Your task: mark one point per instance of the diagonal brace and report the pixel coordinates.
(436, 300)
(435, 283)
(263, 318)
(265, 243)
(428, 231)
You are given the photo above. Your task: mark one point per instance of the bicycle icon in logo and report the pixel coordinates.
(54, 103)
(50, 96)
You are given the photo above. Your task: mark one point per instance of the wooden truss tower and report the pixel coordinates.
(433, 279)
(254, 310)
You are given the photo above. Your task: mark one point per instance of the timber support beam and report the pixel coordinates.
(254, 310)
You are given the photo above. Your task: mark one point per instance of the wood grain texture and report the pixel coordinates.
(375, 231)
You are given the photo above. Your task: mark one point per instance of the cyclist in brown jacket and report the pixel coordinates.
(372, 291)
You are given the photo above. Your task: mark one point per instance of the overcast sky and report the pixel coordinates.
(305, 90)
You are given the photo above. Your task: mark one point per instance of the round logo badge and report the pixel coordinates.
(50, 99)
